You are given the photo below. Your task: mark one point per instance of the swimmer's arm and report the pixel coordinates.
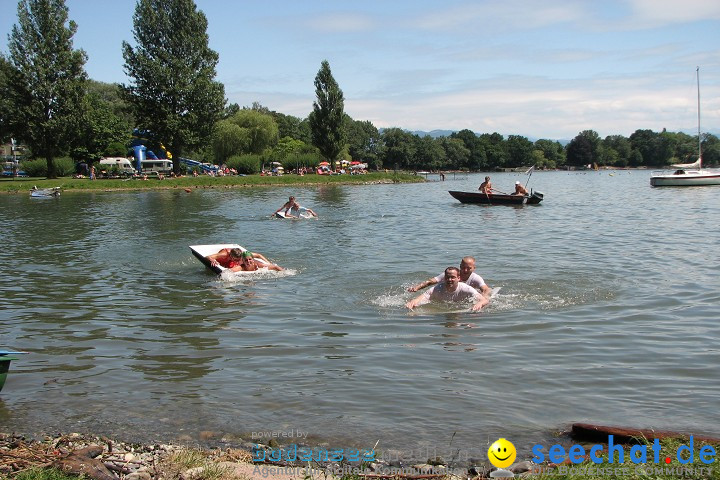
(421, 299)
(261, 257)
(421, 285)
(481, 301)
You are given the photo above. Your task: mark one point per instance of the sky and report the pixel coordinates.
(540, 68)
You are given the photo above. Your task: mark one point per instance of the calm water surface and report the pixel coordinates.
(607, 313)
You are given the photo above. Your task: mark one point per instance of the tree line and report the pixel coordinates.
(48, 103)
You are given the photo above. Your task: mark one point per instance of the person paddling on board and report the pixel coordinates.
(294, 208)
(237, 260)
(467, 275)
(451, 290)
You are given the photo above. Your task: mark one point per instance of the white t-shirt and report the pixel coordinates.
(440, 293)
(474, 280)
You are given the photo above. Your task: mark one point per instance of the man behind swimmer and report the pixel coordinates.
(451, 290)
(467, 275)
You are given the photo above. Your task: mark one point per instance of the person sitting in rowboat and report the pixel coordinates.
(237, 260)
(486, 186)
(519, 189)
(451, 290)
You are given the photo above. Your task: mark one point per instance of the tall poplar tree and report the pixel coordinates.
(173, 93)
(44, 81)
(326, 119)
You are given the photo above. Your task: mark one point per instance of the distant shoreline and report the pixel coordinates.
(187, 183)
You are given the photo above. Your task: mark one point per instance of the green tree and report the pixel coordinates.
(495, 150)
(101, 129)
(363, 141)
(456, 153)
(327, 118)
(647, 143)
(44, 80)
(229, 140)
(173, 92)
(552, 151)
(616, 151)
(111, 95)
(288, 126)
(399, 148)
(584, 149)
(6, 70)
(477, 157)
(711, 150)
(259, 126)
(429, 153)
(519, 151)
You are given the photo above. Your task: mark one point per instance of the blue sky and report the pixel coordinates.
(542, 69)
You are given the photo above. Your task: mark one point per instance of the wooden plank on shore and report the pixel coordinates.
(599, 433)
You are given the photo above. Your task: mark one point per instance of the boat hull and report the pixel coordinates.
(4, 367)
(496, 198)
(684, 179)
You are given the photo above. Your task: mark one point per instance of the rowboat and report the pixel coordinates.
(497, 198)
(45, 192)
(5, 359)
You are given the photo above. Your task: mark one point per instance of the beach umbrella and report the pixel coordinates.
(324, 163)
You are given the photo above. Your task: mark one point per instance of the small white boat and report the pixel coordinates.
(687, 174)
(45, 192)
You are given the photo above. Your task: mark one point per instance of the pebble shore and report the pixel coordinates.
(103, 458)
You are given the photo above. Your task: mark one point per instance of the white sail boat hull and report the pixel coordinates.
(688, 174)
(685, 178)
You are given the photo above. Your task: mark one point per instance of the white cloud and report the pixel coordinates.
(501, 14)
(659, 13)
(333, 22)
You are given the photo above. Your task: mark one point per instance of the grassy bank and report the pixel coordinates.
(23, 185)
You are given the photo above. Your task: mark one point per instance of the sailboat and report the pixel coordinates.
(687, 174)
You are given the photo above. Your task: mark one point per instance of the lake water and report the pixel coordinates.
(607, 313)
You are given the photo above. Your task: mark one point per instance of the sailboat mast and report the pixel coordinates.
(699, 138)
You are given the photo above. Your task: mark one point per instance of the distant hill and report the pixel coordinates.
(447, 133)
(434, 133)
(563, 141)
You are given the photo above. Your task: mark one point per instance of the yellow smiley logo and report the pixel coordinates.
(502, 453)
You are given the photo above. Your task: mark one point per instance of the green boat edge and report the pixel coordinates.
(4, 367)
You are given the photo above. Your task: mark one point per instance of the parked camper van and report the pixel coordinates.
(161, 165)
(124, 165)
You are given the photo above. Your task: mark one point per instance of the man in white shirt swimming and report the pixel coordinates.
(451, 290)
(467, 275)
